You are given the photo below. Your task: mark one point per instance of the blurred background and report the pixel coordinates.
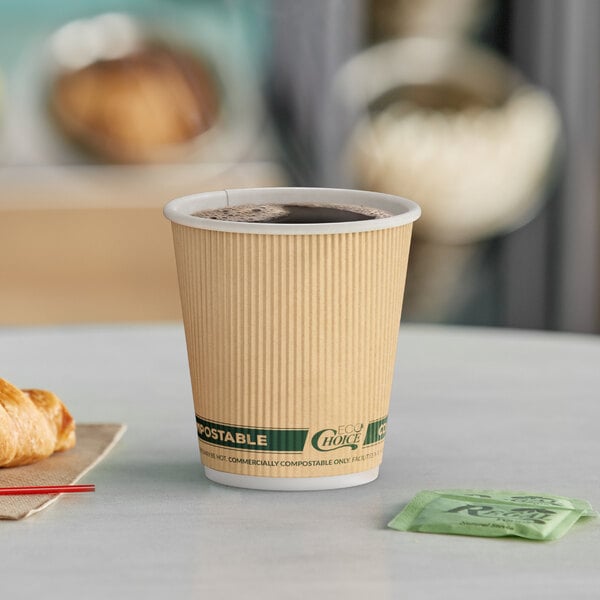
(485, 112)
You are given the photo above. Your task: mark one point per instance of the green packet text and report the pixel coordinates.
(492, 513)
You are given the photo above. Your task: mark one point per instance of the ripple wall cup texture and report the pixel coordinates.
(291, 333)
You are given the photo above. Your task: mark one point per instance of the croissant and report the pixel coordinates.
(33, 425)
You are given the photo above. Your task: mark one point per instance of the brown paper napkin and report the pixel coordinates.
(94, 442)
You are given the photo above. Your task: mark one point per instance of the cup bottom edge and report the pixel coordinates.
(292, 484)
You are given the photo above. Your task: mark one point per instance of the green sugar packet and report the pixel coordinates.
(492, 513)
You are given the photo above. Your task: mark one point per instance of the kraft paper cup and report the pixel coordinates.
(291, 334)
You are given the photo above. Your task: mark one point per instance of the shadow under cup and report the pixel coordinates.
(291, 334)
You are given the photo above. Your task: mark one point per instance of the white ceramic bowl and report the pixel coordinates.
(477, 171)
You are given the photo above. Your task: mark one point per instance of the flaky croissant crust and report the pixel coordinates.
(33, 425)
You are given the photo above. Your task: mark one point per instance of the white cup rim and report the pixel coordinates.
(181, 210)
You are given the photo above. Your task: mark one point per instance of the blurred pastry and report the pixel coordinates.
(146, 106)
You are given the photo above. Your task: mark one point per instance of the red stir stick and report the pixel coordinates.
(46, 489)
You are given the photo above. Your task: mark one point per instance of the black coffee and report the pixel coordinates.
(300, 214)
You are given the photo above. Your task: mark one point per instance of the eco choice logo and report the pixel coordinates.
(350, 436)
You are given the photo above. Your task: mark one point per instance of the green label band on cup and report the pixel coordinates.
(375, 431)
(251, 438)
(264, 439)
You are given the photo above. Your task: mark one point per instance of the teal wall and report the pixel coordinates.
(238, 25)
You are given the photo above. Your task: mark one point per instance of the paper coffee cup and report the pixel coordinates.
(291, 334)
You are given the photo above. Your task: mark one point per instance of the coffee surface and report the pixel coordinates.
(294, 213)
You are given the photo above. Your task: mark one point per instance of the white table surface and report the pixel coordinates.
(470, 408)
